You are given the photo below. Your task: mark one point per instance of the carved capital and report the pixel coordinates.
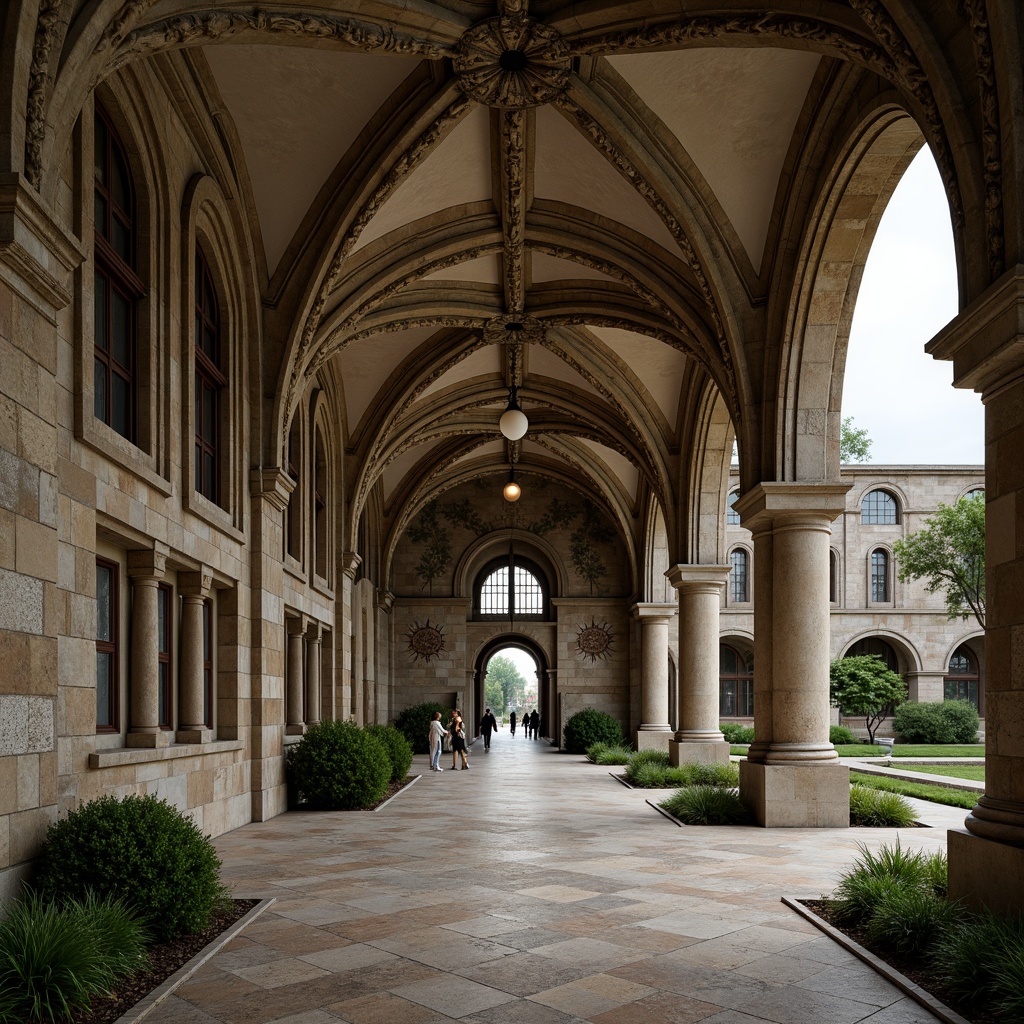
(196, 584)
(148, 564)
(275, 485)
(350, 562)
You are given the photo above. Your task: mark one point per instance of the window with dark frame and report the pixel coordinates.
(117, 287)
(962, 680)
(833, 577)
(736, 684)
(293, 512)
(165, 632)
(107, 654)
(879, 508)
(879, 576)
(522, 590)
(738, 576)
(320, 484)
(732, 517)
(209, 382)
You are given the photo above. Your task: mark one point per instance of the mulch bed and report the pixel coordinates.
(164, 959)
(913, 968)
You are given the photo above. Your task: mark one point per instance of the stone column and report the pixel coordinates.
(699, 738)
(986, 344)
(654, 732)
(313, 673)
(550, 724)
(792, 775)
(194, 588)
(349, 564)
(295, 677)
(146, 569)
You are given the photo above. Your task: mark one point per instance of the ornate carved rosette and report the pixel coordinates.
(594, 641)
(502, 330)
(512, 62)
(425, 641)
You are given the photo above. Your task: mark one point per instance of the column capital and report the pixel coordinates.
(775, 502)
(196, 584)
(148, 564)
(296, 625)
(698, 577)
(275, 484)
(983, 341)
(314, 631)
(350, 562)
(385, 600)
(653, 611)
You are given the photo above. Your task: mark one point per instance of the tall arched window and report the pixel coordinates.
(321, 487)
(739, 576)
(293, 539)
(833, 577)
(732, 517)
(962, 680)
(736, 683)
(879, 508)
(209, 382)
(879, 575)
(117, 287)
(502, 594)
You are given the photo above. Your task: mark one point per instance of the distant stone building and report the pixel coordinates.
(872, 611)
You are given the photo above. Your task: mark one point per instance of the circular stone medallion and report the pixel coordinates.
(512, 62)
(426, 641)
(594, 641)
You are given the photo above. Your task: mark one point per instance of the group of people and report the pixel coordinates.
(530, 723)
(455, 731)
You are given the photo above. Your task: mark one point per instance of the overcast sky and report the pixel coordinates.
(903, 397)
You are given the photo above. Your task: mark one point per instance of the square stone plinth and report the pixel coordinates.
(796, 796)
(651, 740)
(985, 874)
(687, 752)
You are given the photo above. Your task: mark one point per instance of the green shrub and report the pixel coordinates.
(840, 735)
(909, 919)
(875, 875)
(414, 724)
(398, 747)
(139, 849)
(875, 808)
(646, 775)
(338, 766)
(706, 805)
(725, 776)
(614, 755)
(736, 733)
(55, 957)
(591, 726)
(950, 721)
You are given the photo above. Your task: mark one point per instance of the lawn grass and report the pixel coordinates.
(912, 750)
(975, 772)
(918, 790)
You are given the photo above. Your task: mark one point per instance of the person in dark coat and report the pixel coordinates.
(488, 724)
(512, 722)
(534, 723)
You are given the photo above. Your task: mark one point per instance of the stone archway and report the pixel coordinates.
(545, 682)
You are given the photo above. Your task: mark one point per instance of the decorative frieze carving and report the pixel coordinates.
(50, 27)
(513, 207)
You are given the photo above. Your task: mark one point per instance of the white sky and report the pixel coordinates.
(901, 396)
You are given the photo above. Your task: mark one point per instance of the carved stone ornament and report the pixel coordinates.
(425, 641)
(594, 641)
(512, 62)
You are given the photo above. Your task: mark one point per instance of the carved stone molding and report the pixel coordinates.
(513, 206)
(275, 485)
(513, 62)
(49, 27)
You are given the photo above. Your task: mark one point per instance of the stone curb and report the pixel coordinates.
(162, 991)
(903, 983)
(671, 817)
(408, 785)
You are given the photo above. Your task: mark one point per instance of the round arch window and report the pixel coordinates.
(510, 586)
(877, 646)
(963, 680)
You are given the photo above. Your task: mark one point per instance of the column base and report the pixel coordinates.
(199, 734)
(161, 738)
(652, 739)
(984, 874)
(695, 752)
(294, 730)
(796, 796)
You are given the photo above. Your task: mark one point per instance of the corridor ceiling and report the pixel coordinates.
(423, 178)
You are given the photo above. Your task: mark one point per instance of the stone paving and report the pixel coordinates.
(535, 889)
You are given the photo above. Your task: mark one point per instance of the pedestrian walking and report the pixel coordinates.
(436, 740)
(512, 722)
(535, 723)
(457, 727)
(488, 724)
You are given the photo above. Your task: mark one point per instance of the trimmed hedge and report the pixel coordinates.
(736, 733)
(591, 726)
(398, 748)
(414, 724)
(338, 766)
(950, 721)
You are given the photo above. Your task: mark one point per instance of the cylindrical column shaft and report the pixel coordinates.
(313, 674)
(295, 680)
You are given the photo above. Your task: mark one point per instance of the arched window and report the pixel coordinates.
(962, 680)
(732, 517)
(117, 287)
(294, 513)
(501, 594)
(736, 683)
(877, 646)
(738, 576)
(976, 492)
(321, 484)
(209, 382)
(879, 576)
(879, 508)
(833, 577)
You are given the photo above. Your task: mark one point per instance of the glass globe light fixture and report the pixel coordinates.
(513, 423)
(512, 490)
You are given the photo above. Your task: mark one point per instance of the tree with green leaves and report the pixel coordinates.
(865, 685)
(949, 552)
(503, 684)
(854, 443)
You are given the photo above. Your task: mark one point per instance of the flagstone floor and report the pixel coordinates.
(535, 889)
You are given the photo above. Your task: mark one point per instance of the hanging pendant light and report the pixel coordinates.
(513, 423)
(512, 490)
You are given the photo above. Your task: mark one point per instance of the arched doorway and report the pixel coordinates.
(544, 690)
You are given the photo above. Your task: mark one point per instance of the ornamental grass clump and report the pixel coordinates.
(874, 808)
(706, 805)
(139, 849)
(613, 755)
(591, 726)
(909, 919)
(595, 750)
(993, 978)
(646, 769)
(726, 776)
(56, 957)
(398, 747)
(337, 766)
